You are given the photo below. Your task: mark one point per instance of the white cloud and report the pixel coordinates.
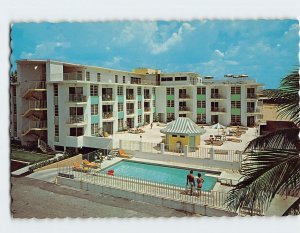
(292, 28)
(150, 31)
(115, 61)
(107, 48)
(219, 53)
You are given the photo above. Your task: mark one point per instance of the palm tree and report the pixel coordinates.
(272, 163)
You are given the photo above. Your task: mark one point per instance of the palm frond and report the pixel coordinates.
(287, 97)
(265, 174)
(280, 139)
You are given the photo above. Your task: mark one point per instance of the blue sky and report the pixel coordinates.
(264, 49)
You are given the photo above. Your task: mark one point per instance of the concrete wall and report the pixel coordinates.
(169, 203)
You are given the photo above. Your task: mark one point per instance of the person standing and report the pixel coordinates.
(190, 180)
(151, 125)
(200, 181)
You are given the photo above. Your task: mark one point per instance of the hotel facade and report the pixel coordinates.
(73, 105)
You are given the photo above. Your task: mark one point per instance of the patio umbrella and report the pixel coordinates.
(218, 126)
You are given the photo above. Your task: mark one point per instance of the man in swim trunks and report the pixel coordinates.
(190, 180)
(200, 181)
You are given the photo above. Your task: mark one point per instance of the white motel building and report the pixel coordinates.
(73, 105)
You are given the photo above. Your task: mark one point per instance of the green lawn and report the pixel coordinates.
(27, 156)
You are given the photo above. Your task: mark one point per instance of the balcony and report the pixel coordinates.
(130, 97)
(32, 106)
(107, 98)
(216, 96)
(147, 109)
(130, 111)
(73, 76)
(147, 97)
(184, 96)
(107, 115)
(218, 110)
(183, 109)
(76, 119)
(77, 98)
(251, 96)
(253, 110)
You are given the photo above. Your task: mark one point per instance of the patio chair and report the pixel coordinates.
(123, 154)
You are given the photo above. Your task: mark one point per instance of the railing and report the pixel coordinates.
(34, 125)
(183, 108)
(129, 112)
(200, 121)
(73, 76)
(218, 110)
(147, 96)
(130, 97)
(146, 109)
(32, 85)
(253, 110)
(146, 187)
(184, 96)
(251, 96)
(175, 149)
(107, 98)
(107, 115)
(77, 98)
(235, 123)
(34, 105)
(215, 154)
(216, 96)
(75, 119)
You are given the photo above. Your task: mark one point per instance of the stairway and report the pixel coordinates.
(114, 152)
(43, 146)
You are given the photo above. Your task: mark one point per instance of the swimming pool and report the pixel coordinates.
(158, 173)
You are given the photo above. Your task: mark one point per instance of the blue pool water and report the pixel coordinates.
(158, 173)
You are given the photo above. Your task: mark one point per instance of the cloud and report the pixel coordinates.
(45, 50)
(114, 61)
(219, 53)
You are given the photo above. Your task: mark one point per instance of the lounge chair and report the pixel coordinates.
(123, 154)
(89, 164)
(77, 167)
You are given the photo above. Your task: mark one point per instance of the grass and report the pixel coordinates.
(27, 156)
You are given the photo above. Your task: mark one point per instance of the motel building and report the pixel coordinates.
(73, 106)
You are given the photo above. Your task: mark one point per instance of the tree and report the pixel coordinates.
(272, 163)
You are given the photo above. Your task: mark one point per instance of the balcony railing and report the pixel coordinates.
(253, 110)
(107, 115)
(129, 97)
(235, 123)
(33, 85)
(107, 98)
(183, 108)
(147, 96)
(77, 98)
(75, 119)
(34, 105)
(218, 110)
(251, 96)
(129, 111)
(216, 96)
(184, 96)
(73, 76)
(147, 109)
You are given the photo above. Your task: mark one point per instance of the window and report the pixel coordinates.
(94, 129)
(182, 136)
(170, 103)
(174, 136)
(55, 87)
(116, 78)
(98, 77)
(94, 109)
(55, 110)
(170, 91)
(201, 91)
(153, 103)
(201, 119)
(120, 124)
(180, 78)
(235, 104)
(182, 115)
(235, 90)
(77, 111)
(15, 109)
(94, 90)
(75, 90)
(139, 119)
(170, 116)
(235, 119)
(251, 93)
(56, 130)
(139, 91)
(166, 79)
(76, 132)
(120, 90)
(134, 80)
(120, 107)
(87, 75)
(153, 90)
(124, 81)
(201, 104)
(139, 105)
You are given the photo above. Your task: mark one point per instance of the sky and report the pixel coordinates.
(266, 50)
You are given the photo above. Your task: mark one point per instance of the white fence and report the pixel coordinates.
(208, 198)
